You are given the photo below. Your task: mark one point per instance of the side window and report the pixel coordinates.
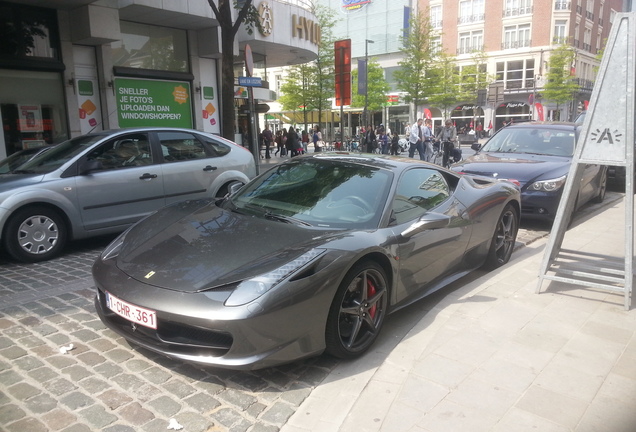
(217, 148)
(180, 146)
(419, 190)
(132, 150)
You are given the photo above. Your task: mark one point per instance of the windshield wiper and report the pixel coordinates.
(19, 171)
(283, 218)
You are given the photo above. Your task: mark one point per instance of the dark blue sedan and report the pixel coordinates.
(537, 156)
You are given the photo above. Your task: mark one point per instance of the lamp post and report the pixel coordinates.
(366, 80)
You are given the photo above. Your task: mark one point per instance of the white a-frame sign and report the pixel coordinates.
(607, 138)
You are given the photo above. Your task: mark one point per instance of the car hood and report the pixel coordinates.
(13, 181)
(522, 167)
(195, 245)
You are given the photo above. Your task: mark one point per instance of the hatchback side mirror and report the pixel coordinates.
(90, 165)
(475, 146)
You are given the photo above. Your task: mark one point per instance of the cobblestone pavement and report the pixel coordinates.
(103, 383)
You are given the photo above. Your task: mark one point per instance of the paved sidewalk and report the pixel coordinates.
(494, 356)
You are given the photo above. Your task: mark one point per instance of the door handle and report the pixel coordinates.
(209, 168)
(147, 176)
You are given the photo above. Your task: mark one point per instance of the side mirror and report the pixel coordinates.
(89, 166)
(427, 222)
(234, 188)
(475, 146)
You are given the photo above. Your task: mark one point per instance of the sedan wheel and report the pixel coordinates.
(602, 188)
(503, 241)
(35, 234)
(358, 311)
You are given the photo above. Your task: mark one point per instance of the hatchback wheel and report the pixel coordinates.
(503, 239)
(357, 312)
(35, 234)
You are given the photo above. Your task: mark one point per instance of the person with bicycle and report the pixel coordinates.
(448, 137)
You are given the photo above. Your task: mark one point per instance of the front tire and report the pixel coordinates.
(35, 234)
(503, 239)
(357, 312)
(602, 188)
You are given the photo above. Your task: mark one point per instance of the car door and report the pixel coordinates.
(424, 194)
(189, 168)
(128, 187)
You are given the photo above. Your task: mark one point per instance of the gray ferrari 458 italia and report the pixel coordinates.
(308, 257)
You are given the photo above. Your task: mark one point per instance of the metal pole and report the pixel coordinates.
(366, 80)
(342, 96)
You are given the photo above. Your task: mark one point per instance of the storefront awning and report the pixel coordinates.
(298, 117)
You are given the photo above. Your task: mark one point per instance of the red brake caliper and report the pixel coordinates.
(370, 293)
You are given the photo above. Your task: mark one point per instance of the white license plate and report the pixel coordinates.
(136, 314)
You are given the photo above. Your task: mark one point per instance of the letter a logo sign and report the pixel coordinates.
(606, 135)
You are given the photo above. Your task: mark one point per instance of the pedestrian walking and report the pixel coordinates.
(416, 140)
(268, 139)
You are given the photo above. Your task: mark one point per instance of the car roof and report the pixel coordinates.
(544, 125)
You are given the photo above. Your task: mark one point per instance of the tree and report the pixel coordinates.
(419, 54)
(295, 92)
(310, 86)
(560, 87)
(443, 80)
(248, 15)
(474, 77)
(377, 88)
(323, 90)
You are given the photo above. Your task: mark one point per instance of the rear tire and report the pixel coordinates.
(503, 239)
(35, 234)
(357, 312)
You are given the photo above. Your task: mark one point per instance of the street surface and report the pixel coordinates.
(102, 383)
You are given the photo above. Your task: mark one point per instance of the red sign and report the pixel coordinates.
(539, 108)
(342, 53)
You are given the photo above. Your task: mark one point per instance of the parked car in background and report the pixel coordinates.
(103, 182)
(537, 156)
(14, 160)
(308, 257)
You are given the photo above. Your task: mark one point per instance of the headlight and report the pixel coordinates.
(113, 249)
(251, 289)
(548, 185)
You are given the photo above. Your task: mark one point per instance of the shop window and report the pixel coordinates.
(27, 32)
(33, 109)
(151, 47)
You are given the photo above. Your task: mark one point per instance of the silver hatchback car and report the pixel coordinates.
(101, 183)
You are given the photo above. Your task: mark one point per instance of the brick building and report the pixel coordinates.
(518, 37)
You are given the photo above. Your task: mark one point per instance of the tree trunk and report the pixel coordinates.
(228, 121)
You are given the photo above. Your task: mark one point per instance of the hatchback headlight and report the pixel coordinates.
(251, 289)
(551, 185)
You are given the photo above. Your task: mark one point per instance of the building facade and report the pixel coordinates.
(68, 67)
(518, 37)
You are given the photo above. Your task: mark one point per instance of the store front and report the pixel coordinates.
(467, 117)
(33, 106)
(508, 112)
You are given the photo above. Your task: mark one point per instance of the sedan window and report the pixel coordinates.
(418, 191)
(180, 146)
(552, 142)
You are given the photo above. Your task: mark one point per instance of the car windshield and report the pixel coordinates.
(51, 160)
(553, 142)
(317, 192)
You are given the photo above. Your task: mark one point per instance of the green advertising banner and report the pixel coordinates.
(153, 103)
